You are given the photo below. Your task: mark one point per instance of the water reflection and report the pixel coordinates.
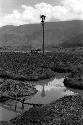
(76, 91)
(69, 92)
(47, 92)
(54, 84)
(43, 91)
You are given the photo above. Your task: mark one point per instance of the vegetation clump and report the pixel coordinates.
(12, 89)
(35, 66)
(75, 79)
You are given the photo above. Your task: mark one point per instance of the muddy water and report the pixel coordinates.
(48, 91)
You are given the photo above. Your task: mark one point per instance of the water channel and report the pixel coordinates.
(48, 91)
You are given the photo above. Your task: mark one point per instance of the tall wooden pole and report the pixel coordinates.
(43, 18)
(43, 37)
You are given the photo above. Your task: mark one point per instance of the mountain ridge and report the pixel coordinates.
(56, 34)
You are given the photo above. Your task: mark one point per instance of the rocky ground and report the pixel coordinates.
(65, 111)
(15, 89)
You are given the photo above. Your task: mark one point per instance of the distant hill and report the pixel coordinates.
(76, 41)
(57, 34)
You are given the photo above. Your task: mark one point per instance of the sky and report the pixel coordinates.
(19, 12)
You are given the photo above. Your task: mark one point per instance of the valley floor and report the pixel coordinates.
(29, 66)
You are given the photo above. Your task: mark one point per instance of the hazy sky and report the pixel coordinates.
(18, 12)
(9, 5)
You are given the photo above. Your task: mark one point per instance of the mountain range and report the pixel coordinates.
(28, 36)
